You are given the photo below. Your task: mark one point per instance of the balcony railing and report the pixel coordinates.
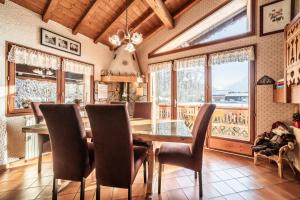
(232, 123)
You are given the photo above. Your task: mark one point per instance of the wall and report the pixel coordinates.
(22, 26)
(269, 59)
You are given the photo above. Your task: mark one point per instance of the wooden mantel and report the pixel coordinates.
(118, 79)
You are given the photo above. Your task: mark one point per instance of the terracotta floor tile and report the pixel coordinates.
(233, 197)
(177, 195)
(236, 185)
(224, 177)
(223, 188)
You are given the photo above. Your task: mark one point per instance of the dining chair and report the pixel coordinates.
(117, 160)
(184, 155)
(39, 118)
(73, 156)
(142, 110)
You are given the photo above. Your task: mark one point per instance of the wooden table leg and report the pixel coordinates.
(150, 169)
(40, 143)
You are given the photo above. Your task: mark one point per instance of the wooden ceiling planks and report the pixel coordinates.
(98, 19)
(118, 17)
(50, 9)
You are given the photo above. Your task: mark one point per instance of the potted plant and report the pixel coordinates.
(296, 119)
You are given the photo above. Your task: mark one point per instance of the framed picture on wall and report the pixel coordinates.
(56, 41)
(275, 16)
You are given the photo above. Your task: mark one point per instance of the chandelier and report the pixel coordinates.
(127, 38)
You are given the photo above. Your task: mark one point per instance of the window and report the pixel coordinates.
(225, 78)
(38, 76)
(33, 85)
(77, 81)
(233, 19)
(160, 92)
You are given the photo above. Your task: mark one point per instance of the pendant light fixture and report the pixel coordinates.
(130, 40)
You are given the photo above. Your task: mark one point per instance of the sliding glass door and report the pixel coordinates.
(161, 90)
(230, 92)
(179, 88)
(190, 88)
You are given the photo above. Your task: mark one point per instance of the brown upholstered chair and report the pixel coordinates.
(73, 156)
(142, 110)
(39, 118)
(117, 160)
(38, 115)
(184, 155)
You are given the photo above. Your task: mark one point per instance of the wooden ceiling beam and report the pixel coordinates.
(2, 1)
(50, 8)
(89, 12)
(176, 15)
(113, 20)
(161, 10)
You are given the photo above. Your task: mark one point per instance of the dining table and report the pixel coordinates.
(147, 130)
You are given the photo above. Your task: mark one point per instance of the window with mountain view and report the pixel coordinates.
(233, 19)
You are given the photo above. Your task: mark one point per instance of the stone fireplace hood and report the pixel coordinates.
(123, 68)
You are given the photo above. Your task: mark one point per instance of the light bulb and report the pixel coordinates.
(136, 38)
(115, 40)
(130, 47)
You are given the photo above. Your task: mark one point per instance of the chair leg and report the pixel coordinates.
(145, 171)
(82, 188)
(159, 177)
(280, 168)
(195, 175)
(54, 190)
(98, 192)
(200, 185)
(129, 192)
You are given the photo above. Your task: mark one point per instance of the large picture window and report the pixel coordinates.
(224, 78)
(230, 21)
(35, 76)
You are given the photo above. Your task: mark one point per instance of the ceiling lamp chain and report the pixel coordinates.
(128, 39)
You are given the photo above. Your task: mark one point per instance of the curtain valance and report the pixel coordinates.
(160, 66)
(77, 67)
(191, 62)
(21, 55)
(237, 55)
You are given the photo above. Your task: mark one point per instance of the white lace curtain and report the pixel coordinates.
(21, 55)
(77, 67)
(160, 66)
(237, 55)
(191, 62)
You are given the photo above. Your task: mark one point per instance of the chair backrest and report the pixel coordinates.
(38, 115)
(113, 145)
(199, 133)
(142, 110)
(68, 141)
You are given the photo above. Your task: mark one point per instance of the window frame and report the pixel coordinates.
(251, 32)
(10, 76)
(208, 94)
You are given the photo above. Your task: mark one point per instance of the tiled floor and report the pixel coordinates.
(224, 177)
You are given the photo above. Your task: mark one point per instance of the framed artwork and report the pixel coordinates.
(56, 41)
(275, 16)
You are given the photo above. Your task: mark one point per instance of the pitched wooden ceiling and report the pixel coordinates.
(98, 19)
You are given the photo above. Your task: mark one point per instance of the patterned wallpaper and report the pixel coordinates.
(269, 60)
(3, 143)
